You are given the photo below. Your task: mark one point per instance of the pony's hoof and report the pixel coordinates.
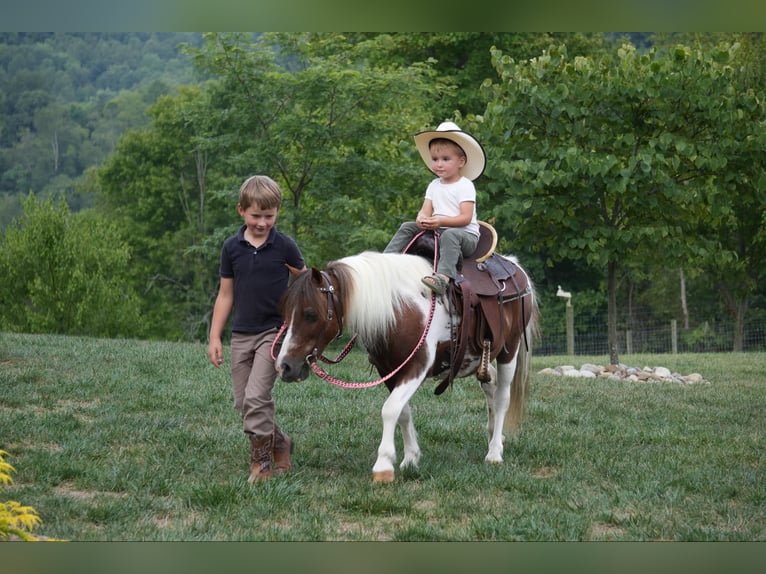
(383, 477)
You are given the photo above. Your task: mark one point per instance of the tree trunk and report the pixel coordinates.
(612, 312)
(737, 306)
(684, 308)
(55, 147)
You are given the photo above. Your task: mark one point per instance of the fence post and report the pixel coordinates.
(629, 342)
(570, 330)
(674, 336)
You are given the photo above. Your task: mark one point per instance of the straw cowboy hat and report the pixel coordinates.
(475, 160)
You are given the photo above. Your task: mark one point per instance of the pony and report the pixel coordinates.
(408, 333)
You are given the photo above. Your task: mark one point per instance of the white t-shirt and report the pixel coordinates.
(446, 199)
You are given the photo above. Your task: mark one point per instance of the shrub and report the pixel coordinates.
(15, 519)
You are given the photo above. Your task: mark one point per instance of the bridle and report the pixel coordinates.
(332, 311)
(332, 306)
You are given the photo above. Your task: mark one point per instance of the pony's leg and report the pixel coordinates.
(383, 469)
(410, 438)
(489, 394)
(502, 401)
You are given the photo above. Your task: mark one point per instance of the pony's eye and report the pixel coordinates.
(311, 315)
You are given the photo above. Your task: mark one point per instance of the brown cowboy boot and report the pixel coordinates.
(261, 448)
(283, 448)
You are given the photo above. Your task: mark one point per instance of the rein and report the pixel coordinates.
(331, 306)
(322, 374)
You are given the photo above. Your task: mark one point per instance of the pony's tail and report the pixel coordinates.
(520, 382)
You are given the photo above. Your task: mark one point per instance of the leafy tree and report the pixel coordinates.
(156, 186)
(737, 217)
(461, 61)
(332, 128)
(330, 132)
(65, 273)
(611, 160)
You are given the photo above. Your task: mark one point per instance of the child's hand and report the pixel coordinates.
(215, 353)
(431, 222)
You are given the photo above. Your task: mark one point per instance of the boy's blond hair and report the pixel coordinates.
(441, 143)
(262, 191)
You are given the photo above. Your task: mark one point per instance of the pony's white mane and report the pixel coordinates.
(382, 283)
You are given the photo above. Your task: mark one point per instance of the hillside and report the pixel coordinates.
(67, 98)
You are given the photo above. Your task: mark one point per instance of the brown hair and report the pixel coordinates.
(262, 191)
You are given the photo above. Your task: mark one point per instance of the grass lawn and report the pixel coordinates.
(130, 440)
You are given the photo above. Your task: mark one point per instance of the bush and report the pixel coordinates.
(15, 519)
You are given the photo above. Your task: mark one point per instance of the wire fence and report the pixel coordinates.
(590, 338)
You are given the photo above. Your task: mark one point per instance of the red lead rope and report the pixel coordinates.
(322, 374)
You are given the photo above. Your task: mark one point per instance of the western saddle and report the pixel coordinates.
(485, 281)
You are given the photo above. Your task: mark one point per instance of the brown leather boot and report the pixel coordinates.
(283, 448)
(261, 448)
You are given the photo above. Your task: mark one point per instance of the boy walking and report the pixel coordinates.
(254, 275)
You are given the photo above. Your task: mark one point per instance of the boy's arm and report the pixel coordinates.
(224, 303)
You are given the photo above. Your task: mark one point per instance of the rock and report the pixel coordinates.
(623, 373)
(595, 369)
(662, 372)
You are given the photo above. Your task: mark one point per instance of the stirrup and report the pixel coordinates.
(483, 373)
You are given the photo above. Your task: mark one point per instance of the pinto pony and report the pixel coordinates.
(408, 333)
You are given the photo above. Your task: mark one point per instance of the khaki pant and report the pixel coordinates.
(253, 376)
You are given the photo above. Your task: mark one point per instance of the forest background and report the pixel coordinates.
(627, 168)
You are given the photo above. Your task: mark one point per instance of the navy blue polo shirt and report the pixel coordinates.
(260, 278)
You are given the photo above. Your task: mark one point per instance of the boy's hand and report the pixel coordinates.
(431, 222)
(215, 353)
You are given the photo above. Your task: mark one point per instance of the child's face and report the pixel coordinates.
(258, 221)
(446, 162)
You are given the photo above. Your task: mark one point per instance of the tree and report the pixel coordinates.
(737, 218)
(156, 186)
(65, 273)
(462, 61)
(612, 159)
(333, 129)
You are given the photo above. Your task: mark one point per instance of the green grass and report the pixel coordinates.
(130, 440)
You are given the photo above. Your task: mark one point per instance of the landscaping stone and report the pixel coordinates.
(624, 373)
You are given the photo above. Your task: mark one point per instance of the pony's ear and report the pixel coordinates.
(316, 275)
(294, 271)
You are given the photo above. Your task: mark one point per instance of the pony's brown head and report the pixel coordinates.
(312, 313)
